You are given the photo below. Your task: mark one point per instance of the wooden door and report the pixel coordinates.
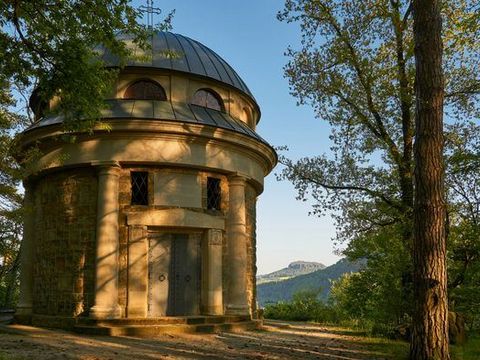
(174, 274)
(159, 274)
(186, 269)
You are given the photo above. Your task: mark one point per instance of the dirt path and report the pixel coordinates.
(276, 341)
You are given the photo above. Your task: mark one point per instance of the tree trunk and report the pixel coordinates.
(430, 321)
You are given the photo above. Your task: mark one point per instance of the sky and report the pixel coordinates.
(250, 38)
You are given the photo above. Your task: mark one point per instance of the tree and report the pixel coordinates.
(430, 317)
(10, 201)
(50, 46)
(356, 68)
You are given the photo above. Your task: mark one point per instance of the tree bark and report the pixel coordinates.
(430, 319)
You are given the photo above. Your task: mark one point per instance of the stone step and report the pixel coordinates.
(151, 330)
(167, 320)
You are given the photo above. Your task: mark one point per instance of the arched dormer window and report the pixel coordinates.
(145, 90)
(209, 99)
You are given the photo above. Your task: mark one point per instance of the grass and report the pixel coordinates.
(394, 349)
(391, 349)
(469, 351)
(4, 356)
(398, 349)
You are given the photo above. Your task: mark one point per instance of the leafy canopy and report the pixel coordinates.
(356, 68)
(50, 45)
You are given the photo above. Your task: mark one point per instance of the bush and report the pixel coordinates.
(304, 306)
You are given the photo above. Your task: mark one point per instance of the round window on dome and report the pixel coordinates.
(209, 99)
(145, 90)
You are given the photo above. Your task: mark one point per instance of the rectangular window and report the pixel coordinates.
(139, 181)
(214, 194)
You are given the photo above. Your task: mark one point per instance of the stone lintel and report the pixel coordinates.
(176, 218)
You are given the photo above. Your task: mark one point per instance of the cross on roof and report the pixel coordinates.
(149, 9)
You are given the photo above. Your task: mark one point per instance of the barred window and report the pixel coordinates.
(214, 194)
(139, 181)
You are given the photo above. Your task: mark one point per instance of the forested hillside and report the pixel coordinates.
(284, 290)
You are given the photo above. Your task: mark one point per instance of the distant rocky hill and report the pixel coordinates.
(294, 269)
(320, 279)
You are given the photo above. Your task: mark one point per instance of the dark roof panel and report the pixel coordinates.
(202, 116)
(180, 62)
(180, 53)
(160, 57)
(202, 53)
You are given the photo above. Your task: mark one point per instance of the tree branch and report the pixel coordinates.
(381, 132)
(370, 192)
(25, 41)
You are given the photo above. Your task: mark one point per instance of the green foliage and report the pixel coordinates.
(381, 292)
(10, 200)
(50, 46)
(463, 245)
(469, 351)
(356, 68)
(304, 306)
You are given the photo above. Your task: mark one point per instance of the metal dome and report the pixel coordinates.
(180, 53)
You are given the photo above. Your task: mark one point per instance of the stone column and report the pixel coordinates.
(24, 307)
(106, 261)
(237, 248)
(214, 273)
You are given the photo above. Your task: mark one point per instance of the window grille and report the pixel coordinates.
(139, 181)
(214, 194)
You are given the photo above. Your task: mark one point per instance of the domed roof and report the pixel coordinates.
(180, 53)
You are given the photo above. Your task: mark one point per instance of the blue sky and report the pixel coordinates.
(248, 36)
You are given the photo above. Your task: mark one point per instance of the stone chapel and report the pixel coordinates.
(151, 221)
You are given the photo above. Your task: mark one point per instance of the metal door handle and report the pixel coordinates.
(187, 278)
(162, 277)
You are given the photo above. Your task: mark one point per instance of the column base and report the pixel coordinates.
(237, 310)
(214, 310)
(98, 312)
(24, 310)
(23, 315)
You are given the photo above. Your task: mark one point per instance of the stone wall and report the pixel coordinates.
(251, 217)
(65, 222)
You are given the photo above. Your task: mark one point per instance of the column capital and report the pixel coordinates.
(215, 237)
(105, 163)
(237, 179)
(106, 167)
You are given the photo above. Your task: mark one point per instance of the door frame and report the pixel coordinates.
(140, 224)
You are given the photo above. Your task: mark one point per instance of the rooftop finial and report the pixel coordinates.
(149, 9)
